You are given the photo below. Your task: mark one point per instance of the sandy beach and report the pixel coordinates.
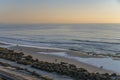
(51, 58)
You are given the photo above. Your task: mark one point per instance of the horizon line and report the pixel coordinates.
(58, 23)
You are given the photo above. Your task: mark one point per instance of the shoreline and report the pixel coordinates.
(33, 51)
(51, 58)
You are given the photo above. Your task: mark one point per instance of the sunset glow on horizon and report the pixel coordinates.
(59, 11)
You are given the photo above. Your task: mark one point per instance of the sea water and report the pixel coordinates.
(97, 38)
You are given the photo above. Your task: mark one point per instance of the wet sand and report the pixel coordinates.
(51, 58)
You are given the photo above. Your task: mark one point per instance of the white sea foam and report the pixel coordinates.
(42, 47)
(14, 44)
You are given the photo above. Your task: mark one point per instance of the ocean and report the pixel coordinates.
(97, 38)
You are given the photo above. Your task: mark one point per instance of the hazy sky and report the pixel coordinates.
(59, 11)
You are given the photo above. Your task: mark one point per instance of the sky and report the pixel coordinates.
(59, 11)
